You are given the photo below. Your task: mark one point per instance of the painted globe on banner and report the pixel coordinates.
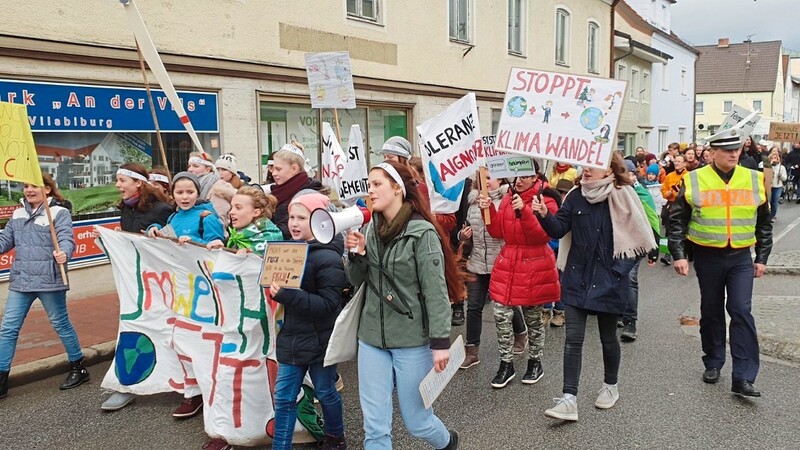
(591, 118)
(135, 358)
(517, 106)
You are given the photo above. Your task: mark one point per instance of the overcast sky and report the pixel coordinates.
(703, 22)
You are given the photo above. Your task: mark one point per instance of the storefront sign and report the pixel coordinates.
(57, 107)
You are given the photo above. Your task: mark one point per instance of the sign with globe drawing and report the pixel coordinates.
(561, 117)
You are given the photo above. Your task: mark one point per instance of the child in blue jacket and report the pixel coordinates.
(194, 220)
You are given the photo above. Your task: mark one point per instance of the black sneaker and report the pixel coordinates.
(454, 438)
(77, 375)
(458, 316)
(629, 331)
(534, 372)
(504, 374)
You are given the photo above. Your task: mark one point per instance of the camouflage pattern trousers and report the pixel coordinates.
(503, 316)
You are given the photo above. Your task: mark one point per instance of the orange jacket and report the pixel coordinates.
(671, 185)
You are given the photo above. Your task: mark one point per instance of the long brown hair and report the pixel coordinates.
(619, 171)
(148, 195)
(454, 275)
(49, 182)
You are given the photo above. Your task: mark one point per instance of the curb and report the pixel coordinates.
(56, 365)
(783, 270)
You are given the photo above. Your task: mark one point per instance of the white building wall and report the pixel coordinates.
(657, 12)
(673, 101)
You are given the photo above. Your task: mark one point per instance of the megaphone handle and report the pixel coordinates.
(354, 249)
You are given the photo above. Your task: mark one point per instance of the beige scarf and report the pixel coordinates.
(632, 233)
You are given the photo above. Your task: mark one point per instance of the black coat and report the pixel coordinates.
(592, 279)
(310, 312)
(281, 215)
(135, 220)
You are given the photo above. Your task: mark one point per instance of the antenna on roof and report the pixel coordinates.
(749, 42)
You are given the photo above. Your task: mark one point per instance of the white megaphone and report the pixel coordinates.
(325, 225)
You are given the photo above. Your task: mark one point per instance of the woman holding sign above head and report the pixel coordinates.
(289, 173)
(604, 230)
(405, 260)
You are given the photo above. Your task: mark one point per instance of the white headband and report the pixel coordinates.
(294, 149)
(131, 174)
(199, 160)
(158, 177)
(395, 176)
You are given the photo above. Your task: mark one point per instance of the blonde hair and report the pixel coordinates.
(291, 157)
(266, 203)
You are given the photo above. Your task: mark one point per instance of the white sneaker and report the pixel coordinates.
(117, 401)
(566, 408)
(607, 397)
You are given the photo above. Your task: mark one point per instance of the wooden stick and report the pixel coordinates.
(53, 234)
(153, 111)
(487, 216)
(336, 120)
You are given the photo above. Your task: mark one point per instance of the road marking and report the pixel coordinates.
(783, 233)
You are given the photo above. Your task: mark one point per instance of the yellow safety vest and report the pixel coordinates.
(724, 214)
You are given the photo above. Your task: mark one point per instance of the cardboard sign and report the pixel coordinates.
(355, 176)
(196, 319)
(506, 165)
(330, 80)
(451, 142)
(333, 158)
(738, 114)
(561, 117)
(284, 264)
(784, 132)
(17, 151)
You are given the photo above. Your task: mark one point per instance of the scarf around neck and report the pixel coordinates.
(284, 192)
(389, 230)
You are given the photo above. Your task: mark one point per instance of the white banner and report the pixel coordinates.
(189, 316)
(738, 114)
(333, 158)
(330, 80)
(451, 142)
(561, 117)
(506, 165)
(354, 178)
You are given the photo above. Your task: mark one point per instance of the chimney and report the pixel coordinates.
(723, 43)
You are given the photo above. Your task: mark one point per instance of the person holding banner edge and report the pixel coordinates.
(404, 330)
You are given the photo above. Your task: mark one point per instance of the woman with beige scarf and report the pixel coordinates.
(603, 228)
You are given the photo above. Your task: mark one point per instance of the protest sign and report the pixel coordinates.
(506, 165)
(17, 151)
(196, 319)
(738, 114)
(561, 117)
(333, 158)
(784, 132)
(284, 264)
(451, 142)
(330, 80)
(354, 177)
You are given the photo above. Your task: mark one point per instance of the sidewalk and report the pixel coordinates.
(39, 351)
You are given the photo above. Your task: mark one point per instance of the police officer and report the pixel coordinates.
(722, 211)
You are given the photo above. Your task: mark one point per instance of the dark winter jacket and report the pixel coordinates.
(34, 269)
(310, 312)
(592, 279)
(281, 215)
(524, 273)
(135, 220)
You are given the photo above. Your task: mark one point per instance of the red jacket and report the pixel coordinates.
(524, 273)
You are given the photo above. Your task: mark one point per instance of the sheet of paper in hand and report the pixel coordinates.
(434, 382)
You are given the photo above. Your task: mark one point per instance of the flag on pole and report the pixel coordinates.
(18, 158)
(157, 67)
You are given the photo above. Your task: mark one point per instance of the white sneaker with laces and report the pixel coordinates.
(566, 408)
(607, 396)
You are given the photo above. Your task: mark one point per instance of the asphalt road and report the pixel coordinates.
(663, 402)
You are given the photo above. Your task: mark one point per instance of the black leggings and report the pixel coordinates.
(573, 346)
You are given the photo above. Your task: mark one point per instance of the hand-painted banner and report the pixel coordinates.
(738, 114)
(354, 177)
(192, 318)
(503, 164)
(333, 158)
(451, 142)
(18, 160)
(561, 117)
(330, 80)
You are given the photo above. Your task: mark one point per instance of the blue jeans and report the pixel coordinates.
(288, 385)
(378, 372)
(17, 306)
(777, 192)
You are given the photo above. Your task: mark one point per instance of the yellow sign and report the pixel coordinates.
(284, 264)
(18, 160)
(784, 132)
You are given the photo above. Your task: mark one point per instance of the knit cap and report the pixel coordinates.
(188, 175)
(397, 145)
(227, 162)
(653, 169)
(312, 202)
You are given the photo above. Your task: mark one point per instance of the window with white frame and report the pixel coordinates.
(665, 76)
(684, 81)
(645, 91)
(681, 134)
(727, 105)
(460, 21)
(756, 105)
(364, 9)
(593, 65)
(662, 140)
(622, 72)
(562, 36)
(634, 85)
(516, 23)
(699, 107)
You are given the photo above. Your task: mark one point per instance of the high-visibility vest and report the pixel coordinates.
(724, 214)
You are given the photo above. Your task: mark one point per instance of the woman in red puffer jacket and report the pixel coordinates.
(524, 274)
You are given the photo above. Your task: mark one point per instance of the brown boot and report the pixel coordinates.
(520, 342)
(558, 319)
(546, 315)
(471, 358)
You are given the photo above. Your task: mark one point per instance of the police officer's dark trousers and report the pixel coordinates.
(721, 272)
